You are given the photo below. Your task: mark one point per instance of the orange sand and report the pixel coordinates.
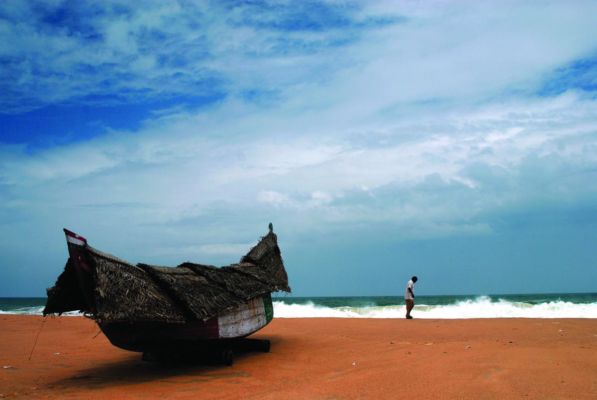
(316, 359)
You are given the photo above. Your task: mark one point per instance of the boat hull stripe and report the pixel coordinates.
(75, 241)
(244, 320)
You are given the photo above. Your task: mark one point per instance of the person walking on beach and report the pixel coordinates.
(409, 296)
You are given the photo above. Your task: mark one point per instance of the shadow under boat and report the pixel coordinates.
(132, 370)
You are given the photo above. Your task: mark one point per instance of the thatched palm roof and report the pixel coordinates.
(127, 292)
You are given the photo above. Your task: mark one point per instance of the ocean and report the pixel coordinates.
(562, 305)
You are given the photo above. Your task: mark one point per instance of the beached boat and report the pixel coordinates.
(156, 309)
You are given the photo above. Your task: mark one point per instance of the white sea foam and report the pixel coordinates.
(24, 311)
(481, 307)
(36, 311)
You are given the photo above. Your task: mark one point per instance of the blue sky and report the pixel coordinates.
(452, 140)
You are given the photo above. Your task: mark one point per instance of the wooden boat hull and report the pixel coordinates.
(153, 309)
(237, 323)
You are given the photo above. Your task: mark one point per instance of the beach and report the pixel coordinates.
(315, 358)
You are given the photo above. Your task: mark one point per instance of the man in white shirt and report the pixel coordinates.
(409, 296)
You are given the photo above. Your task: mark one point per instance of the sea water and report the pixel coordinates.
(22, 305)
(563, 305)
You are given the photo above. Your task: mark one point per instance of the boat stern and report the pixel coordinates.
(74, 288)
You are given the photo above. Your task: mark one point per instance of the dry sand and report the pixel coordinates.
(316, 359)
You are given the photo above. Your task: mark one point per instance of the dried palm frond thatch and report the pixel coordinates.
(142, 293)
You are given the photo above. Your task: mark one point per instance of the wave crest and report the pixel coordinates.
(480, 307)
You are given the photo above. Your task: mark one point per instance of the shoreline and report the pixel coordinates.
(313, 358)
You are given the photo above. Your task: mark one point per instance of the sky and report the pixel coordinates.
(455, 141)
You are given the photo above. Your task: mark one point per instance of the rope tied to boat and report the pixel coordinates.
(43, 321)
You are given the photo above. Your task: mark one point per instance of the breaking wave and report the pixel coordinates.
(36, 311)
(24, 311)
(480, 307)
(351, 307)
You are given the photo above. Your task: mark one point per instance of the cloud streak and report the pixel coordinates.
(113, 53)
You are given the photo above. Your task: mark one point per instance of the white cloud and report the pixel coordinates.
(435, 51)
(415, 179)
(429, 125)
(206, 251)
(274, 198)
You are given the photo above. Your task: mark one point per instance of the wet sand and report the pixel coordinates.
(315, 359)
